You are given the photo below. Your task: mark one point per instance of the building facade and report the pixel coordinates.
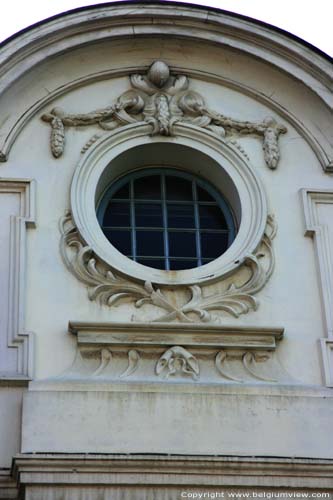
(166, 280)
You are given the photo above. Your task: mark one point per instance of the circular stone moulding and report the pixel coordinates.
(192, 150)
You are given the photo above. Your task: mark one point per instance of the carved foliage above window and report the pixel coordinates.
(109, 288)
(162, 100)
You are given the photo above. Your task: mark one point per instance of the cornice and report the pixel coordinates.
(159, 469)
(120, 20)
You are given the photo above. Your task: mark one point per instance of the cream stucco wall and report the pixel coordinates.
(66, 413)
(291, 298)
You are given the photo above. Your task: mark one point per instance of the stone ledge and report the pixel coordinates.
(10, 380)
(8, 488)
(153, 470)
(167, 352)
(169, 334)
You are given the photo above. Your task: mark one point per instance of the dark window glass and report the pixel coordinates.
(148, 215)
(213, 244)
(178, 188)
(147, 188)
(182, 244)
(155, 263)
(211, 217)
(167, 220)
(180, 215)
(117, 214)
(121, 239)
(122, 192)
(204, 195)
(149, 243)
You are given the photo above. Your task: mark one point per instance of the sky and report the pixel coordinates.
(310, 20)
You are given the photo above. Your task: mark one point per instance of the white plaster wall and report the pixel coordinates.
(248, 90)
(290, 299)
(207, 421)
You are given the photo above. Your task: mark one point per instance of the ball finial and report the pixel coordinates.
(158, 73)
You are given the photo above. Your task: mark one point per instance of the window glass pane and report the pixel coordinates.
(211, 217)
(117, 214)
(147, 188)
(122, 192)
(165, 206)
(121, 239)
(155, 263)
(182, 244)
(213, 244)
(149, 243)
(182, 264)
(203, 195)
(178, 188)
(180, 215)
(148, 215)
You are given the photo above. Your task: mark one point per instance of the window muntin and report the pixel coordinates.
(166, 219)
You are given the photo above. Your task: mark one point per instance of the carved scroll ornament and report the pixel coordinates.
(178, 363)
(110, 288)
(161, 100)
(249, 359)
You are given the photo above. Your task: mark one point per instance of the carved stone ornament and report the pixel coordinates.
(110, 288)
(249, 361)
(177, 360)
(162, 100)
(164, 353)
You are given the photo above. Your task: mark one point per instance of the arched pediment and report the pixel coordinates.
(33, 60)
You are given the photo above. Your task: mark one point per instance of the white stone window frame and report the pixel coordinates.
(228, 170)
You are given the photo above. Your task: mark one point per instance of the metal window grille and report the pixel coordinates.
(166, 219)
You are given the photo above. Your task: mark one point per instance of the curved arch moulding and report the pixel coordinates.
(64, 34)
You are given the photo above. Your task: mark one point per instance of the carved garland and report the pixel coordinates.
(161, 100)
(110, 288)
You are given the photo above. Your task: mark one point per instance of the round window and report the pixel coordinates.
(166, 219)
(146, 218)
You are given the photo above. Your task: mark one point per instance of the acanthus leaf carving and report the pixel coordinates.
(162, 100)
(133, 363)
(109, 288)
(220, 358)
(102, 283)
(249, 360)
(106, 357)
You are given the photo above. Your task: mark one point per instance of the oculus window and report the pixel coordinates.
(166, 219)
